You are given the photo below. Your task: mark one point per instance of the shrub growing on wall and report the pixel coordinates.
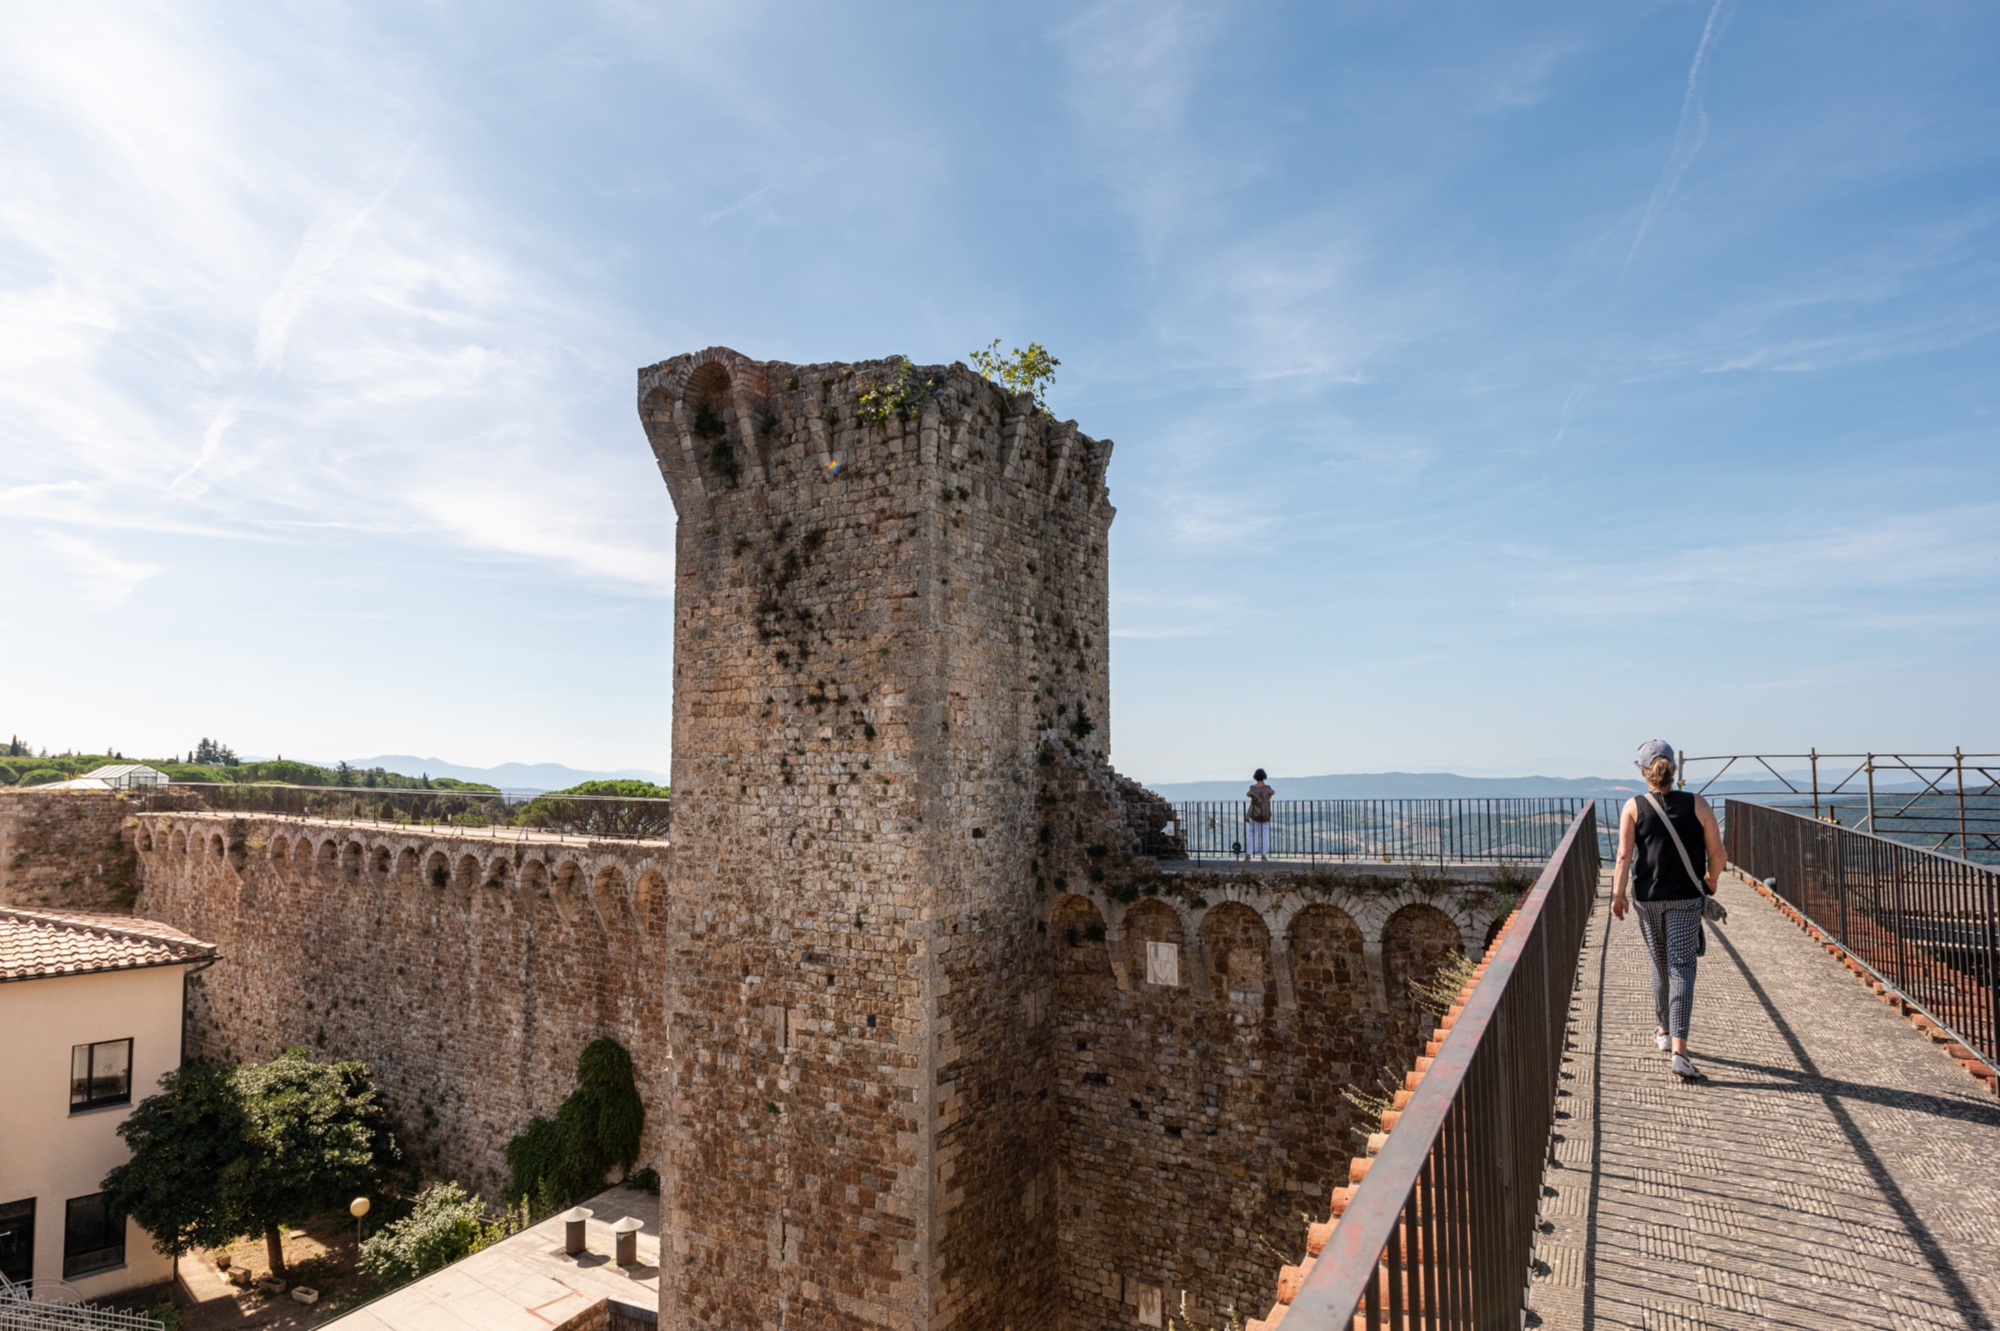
(560, 1161)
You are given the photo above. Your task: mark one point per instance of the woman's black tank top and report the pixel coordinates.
(1657, 872)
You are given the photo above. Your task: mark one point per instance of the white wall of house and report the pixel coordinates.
(51, 1154)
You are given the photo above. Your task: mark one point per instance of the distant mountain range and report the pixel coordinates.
(507, 776)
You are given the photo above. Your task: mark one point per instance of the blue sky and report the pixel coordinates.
(1494, 387)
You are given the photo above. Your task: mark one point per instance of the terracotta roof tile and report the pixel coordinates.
(38, 943)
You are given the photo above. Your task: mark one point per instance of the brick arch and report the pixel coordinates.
(326, 861)
(466, 874)
(381, 862)
(1150, 921)
(215, 847)
(1076, 929)
(534, 879)
(353, 861)
(1236, 944)
(650, 898)
(178, 844)
(567, 890)
(280, 851)
(608, 889)
(409, 864)
(1329, 959)
(142, 838)
(437, 872)
(1415, 942)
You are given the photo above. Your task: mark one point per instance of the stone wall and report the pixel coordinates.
(467, 971)
(1200, 1118)
(64, 848)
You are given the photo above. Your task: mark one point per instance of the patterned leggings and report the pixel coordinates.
(1672, 930)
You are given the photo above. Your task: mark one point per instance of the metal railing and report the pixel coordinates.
(597, 816)
(50, 1305)
(1927, 925)
(1939, 801)
(1440, 1232)
(1384, 830)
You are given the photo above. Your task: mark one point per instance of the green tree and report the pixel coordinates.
(628, 788)
(317, 1135)
(597, 1128)
(182, 1140)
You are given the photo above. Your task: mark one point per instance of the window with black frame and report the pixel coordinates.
(93, 1236)
(100, 1074)
(17, 1240)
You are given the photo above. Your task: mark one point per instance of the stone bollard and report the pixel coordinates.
(627, 1231)
(573, 1221)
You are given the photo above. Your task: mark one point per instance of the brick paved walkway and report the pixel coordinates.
(1834, 1171)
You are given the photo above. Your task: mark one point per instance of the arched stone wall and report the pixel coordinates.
(437, 958)
(1417, 940)
(1236, 949)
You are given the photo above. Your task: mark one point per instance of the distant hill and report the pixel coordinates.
(507, 776)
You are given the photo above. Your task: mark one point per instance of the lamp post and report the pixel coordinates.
(357, 1208)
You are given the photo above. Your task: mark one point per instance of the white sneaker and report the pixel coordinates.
(1685, 1069)
(1662, 1041)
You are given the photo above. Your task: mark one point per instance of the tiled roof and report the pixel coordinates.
(35, 944)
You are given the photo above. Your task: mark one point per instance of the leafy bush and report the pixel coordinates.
(446, 1224)
(41, 776)
(557, 1162)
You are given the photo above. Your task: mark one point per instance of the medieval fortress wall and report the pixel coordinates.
(467, 971)
(904, 1060)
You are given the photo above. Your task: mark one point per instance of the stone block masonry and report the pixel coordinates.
(62, 848)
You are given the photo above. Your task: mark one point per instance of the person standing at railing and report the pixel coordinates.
(1257, 830)
(1669, 852)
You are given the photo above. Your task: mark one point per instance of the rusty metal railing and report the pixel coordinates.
(1440, 1232)
(1479, 830)
(1926, 925)
(1939, 801)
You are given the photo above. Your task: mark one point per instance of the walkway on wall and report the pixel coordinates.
(1834, 1171)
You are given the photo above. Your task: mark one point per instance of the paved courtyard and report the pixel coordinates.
(1834, 1171)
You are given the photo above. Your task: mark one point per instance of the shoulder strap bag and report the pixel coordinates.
(1711, 909)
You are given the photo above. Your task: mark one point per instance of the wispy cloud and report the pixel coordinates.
(322, 247)
(103, 578)
(1689, 134)
(239, 313)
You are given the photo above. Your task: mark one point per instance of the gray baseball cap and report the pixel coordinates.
(1652, 749)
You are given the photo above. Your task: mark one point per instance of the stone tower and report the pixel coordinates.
(890, 609)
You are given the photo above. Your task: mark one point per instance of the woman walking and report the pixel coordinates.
(1669, 852)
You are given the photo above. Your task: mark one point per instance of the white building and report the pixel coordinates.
(121, 776)
(91, 1008)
